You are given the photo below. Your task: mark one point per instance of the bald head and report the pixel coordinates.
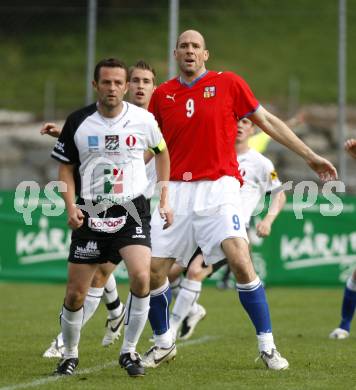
(191, 55)
(191, 35)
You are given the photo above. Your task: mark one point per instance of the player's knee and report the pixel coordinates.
(243, 269)
(195, 273)
(99, 280)
(74, 299)
(240, 263)
(143, 277)
(140, 285)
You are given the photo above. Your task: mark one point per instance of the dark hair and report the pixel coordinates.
(109, 63)
(141, 64)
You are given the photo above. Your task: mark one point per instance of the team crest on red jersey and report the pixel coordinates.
(131, 141)
(209, 92)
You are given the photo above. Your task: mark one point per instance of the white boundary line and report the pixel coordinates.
(201, 340)
(49, 379)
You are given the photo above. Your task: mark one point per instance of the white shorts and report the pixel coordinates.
(205, 214)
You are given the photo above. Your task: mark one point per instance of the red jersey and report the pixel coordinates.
(199, 123)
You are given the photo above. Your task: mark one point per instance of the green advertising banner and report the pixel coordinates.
(36, 251)
(314, 250)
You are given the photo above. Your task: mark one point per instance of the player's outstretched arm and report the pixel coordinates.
(281, 133)
(350, 147)
(75, 215)
(51, 129)
(163, 173)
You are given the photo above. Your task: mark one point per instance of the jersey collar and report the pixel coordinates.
(113, 121)
(192, 83)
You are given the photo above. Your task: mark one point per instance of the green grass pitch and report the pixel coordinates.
(220, 355)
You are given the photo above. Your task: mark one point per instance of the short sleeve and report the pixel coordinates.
(155, 141)
(244, 100)
(65, 149)
(153, 107)
(273, 182)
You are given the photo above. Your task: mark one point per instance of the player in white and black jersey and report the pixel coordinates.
(142, 83)
(103, 286)
(260, 178)
(107, 141)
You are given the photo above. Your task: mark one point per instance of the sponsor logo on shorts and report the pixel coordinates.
(88, 252)
(106, 225)
(139, 233)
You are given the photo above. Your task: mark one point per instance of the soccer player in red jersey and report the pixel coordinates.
(197, 113)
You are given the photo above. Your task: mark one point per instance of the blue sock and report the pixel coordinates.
(159, 309)
(253, 299)
(348, 308)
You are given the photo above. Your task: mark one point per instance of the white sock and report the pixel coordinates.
(164, 340)
(175, 286)
(59, 340)
(193, 309)
(188, 295)
(91, 302)
(110, 284)
(71, 323)
(111, 298)
(90, 305)
(135, 320)
(265, 342)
